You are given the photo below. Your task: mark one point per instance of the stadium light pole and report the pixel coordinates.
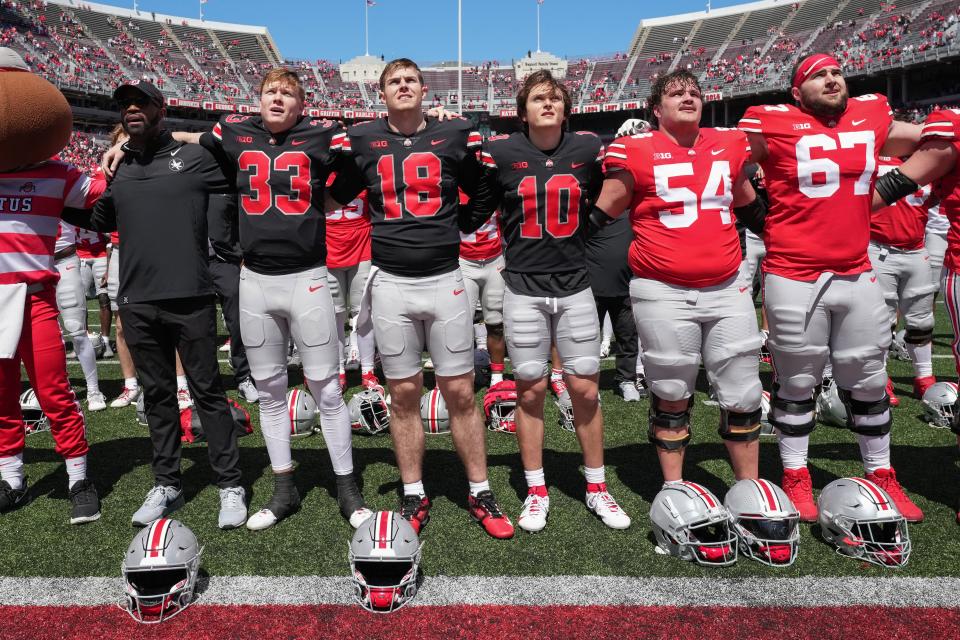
(539, 3)
(460, 56)
(366, 28)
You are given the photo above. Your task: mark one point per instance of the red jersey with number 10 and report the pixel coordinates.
(681, 212)
(944, 125)
(904, 223)
(819, 172)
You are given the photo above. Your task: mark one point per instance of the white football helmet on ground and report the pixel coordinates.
(141, 411)
(565, 412)
(303, 410)
(689, 522)
(34, 419)
(938, 402)
(862, 521)
(384, 562)
(433, 412)
(765, 522)
(369, 413)
(830, 408)
(160, 571)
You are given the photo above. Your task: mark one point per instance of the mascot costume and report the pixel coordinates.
(35, 125)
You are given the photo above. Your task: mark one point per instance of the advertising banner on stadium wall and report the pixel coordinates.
(613, 106)
(712, 96)
(328, 113)
(508, 113)
(591, 108)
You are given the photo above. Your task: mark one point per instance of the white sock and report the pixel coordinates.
(477, 487)
(275, 421)
(535, 478)
(496, 378)
(793, 450)
(131, 383)
(367, 346)
(76, 470)
(480, 335)
(875, 452)
(11, 470)
(88, 361)
(182, 383)
(922, 356)
(596, 475)
(334, 423)
(414, 489)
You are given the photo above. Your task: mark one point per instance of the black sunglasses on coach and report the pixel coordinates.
(139, 100)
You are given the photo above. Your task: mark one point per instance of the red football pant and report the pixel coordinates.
(42, 352)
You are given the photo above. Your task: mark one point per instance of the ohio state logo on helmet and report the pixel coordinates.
(384, 562)
(500, 406)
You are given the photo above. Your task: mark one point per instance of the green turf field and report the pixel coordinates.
(38, 541)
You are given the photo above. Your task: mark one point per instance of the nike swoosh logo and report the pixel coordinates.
(312, 289)
(873, 279)
(458, 292)
(69, 268)
(297, 143)
(577, 165)
(742, 289)
(436, 142)
(173, 153)
(717, 152)
(858, 122)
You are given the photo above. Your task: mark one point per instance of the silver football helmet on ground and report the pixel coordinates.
(565, 412)
(302, 409)
(938, 402)
(433, 412)
(160, 571)
(830, 408)
(765, 522)
(690, 523)
(141, 411)
(369, 413)
(766, 429)
(34, 419)
(99, 344)
(862, 521)
(898, 346)
(384, 562)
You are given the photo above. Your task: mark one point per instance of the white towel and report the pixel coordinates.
(13, 299)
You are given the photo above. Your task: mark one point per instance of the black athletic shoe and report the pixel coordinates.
(415, 510)
(86, 502)
(350, 500)
(11, 498)
(285, 502)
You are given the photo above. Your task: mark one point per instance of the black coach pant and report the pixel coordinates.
(624, 330)
(226, 281)
(154, 331)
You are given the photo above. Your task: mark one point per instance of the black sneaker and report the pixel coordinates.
(416, 510)
(86, 502)
(350, 501)
(284, 502)
(11, 498)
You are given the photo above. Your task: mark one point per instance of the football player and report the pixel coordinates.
(681, 183)
(901, 262)
(412, 167)
(281, 161)
(822, 299)
(542, 180)
(92, 252)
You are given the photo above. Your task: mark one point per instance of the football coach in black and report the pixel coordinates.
(159, 201)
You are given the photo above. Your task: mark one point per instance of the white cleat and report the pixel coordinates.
(607, 509)
(360, 516)
(263, 519)
(127, 397)
(533, 516)
(96, 401)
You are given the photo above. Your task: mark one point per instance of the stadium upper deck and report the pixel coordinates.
(743, 49)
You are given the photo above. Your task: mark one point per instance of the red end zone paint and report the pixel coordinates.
(237, 622)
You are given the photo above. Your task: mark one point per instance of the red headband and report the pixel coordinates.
(812, 64)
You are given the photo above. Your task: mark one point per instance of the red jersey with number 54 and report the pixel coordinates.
(819, 173)
(681, 212)
(944, 125)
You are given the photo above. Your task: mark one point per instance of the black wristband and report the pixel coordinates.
(893, 185)
(752, 215)
(599, 218)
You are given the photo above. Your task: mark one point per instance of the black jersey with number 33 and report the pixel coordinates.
(281, 181)
(544, 200)
(412, 186)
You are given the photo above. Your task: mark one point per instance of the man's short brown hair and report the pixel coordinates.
(398, 63)
(534, 80)
(284, 77)
(662, 84)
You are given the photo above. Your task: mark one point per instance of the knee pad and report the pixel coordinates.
(739, 427)
(660, 419)
(104, 300)
(530, 370)
(918, 336)
(495, 330)
(866, 408)
(586, 366)
(73, 327)
(795, 407)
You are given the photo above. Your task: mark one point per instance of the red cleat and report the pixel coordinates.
(415, 510)
(799, 488)
(894, 400)
(343, 383)
(920, 385)
(886, 479)
(369, 381)
(485, 510)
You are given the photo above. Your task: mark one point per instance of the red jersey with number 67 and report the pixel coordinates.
(681, 212)
(944, 125)
(904, 223)
(819, 172)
